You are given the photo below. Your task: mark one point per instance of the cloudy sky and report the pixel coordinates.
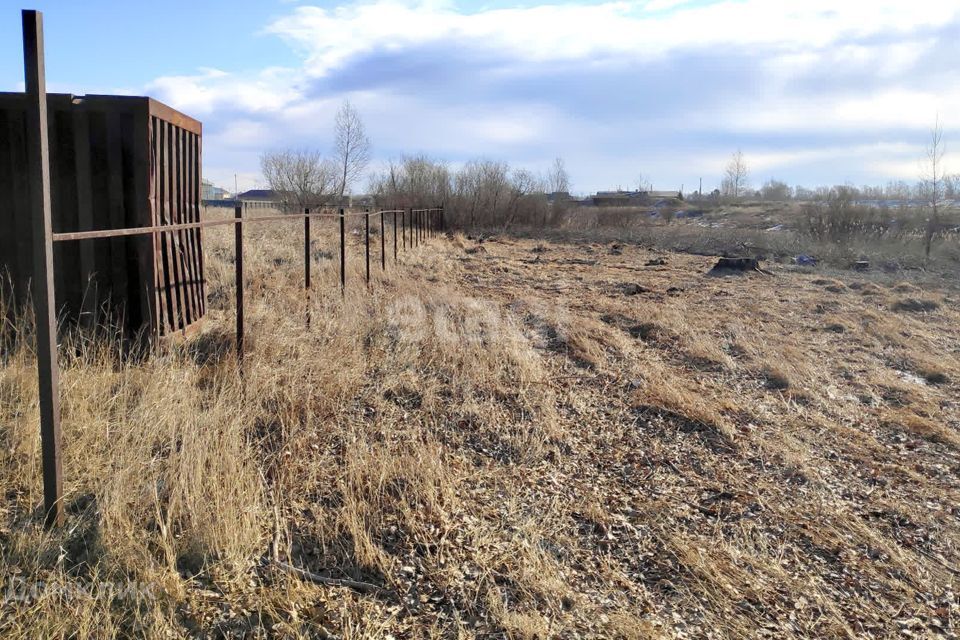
(813, 91)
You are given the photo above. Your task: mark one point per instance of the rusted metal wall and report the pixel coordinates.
(115, 162)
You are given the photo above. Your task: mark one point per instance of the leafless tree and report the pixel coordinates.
(412, 181)
(644, 184)
(524, 194)
(558, 180)
(352, 147)
(934, 183)
(776, 191)
(735, 175)
(300, 178)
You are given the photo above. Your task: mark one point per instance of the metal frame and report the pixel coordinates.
(38, 151)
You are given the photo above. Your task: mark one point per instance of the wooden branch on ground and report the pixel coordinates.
(363, 587)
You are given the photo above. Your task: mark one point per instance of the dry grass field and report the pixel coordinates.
(508, 439)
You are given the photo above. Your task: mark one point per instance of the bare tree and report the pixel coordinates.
(776, 191)
(934, 182)
(352, 147)
(521, 186)
(644, 184)
(299, 178)
(735, 175)
(558, 180)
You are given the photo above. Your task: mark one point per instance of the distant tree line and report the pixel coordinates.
(483, 193)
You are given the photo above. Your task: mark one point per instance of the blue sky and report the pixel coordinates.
(813, 91)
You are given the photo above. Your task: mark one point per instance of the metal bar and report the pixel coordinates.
(197, 170)
(166, 239)
(343, 257)
(367, 243)
(163, 228)
(238, 271)
(43, 289)
(306, 261)
(139, 140)
(383, 240)
(164, 304)
(81, 146)
(394, 236)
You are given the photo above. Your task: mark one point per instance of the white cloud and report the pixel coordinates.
(571, 31)
(840, 73)
(874, 111)
(211, 89)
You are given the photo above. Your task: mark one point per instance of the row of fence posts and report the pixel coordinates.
(410, 228)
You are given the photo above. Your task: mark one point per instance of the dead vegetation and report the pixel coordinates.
(534, 440)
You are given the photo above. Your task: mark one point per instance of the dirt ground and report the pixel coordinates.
(520, 439)
(769, 452)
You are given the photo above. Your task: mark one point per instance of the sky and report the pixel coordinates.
(812, 91)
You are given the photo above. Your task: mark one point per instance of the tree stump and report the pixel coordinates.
(727, 265)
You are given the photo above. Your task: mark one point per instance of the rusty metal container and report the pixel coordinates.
(115, 162)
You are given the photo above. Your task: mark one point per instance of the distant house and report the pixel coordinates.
(617, 198)
(258, 195)
(209, 191)
(621, 198)
(360, 200)
(655, 196)
(563, 197)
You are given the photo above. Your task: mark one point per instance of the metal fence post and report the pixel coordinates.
(238, 272)
(48, 372)
(394, 235)
(366, 220)
(343, 257)
(383, 244)
(306, 260)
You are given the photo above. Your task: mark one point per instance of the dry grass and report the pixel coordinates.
(533, 440)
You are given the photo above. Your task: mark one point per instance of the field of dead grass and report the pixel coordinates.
(508, 438)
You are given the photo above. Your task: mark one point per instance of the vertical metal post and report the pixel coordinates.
(343, 255)
(394, 235)
(383, 244)
(238, 272)
(366, 220)
(48, 373)
(306, 260)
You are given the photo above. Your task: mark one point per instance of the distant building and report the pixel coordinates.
(621, 198)
(258, 195)
(209, 191)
